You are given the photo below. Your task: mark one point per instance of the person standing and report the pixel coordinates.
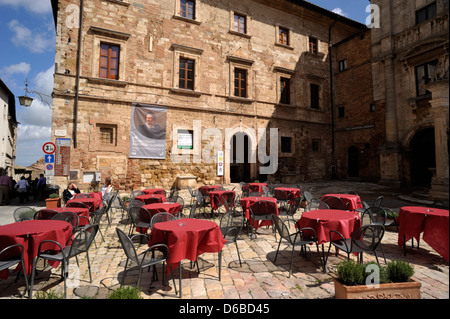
(40, 187)
(22, 188)
(5, 187)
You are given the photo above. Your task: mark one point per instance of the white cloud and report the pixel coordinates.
(37, 42)
(340, 12)
(36, 6)
(20, 68)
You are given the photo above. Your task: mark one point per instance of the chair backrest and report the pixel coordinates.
(77, 204)
(127, 245)
(308, 196)
(199, 198)
(280, 194)
(193, 193)
(70, 217)
(374, 215)
(294, 205)
(378, 201)
(229, 197)
(161, 217)
(262, 209)
(245, 188)
(82, 240)
(281, 228)
(334, 202)
(315, 204)
(135, 203)
(172, 194)
(192, 213)
(10, 254)
(98, 214)
(368, 237)
(139, 215)
(45, 214)
(23, 213)
(231, 225)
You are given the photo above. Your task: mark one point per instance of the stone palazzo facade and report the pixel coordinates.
(234, 68)
(410, 56)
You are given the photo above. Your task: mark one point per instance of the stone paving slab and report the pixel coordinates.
(258, 277)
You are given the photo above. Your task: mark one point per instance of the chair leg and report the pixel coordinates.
(292, 261)
(89, 266)
(276, 254)
(33, 271)
(239, 256)
(220, 265)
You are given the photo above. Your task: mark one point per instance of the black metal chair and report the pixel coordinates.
(282, 198)
(178, 199)
(79, 243)
(83, 195)
(376, 203)
(23, 213)
(301, 237)
(261, 210)
(315, 204)
(292, 208)
(231, 225)
(156, 254)
(11, 256)
(193, 211)
(367, 238)
(193, 194)
(308, 196)
(334, 202)
(77, 204)
(140, 217)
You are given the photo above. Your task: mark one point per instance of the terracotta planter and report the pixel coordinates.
(53, 202)
(401, 290)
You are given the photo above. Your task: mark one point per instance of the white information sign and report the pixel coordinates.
(220, 163)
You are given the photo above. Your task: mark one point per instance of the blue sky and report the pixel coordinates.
(27, 37)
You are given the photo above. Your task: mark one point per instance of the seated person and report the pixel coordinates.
(69, 192)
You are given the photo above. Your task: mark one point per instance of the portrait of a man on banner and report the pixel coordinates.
(148, 131)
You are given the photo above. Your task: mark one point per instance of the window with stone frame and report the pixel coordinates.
(109, 61)
(314, 91)
(285, 90)
(240, 23)
(424, 74)
(107, 134)
(316, 145)
(186, 74)
(283, 36)
(187, 9)
(426, 13)
(313, 45)
(240, 82)
(286, 144)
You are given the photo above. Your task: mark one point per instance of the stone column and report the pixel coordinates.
(440, 107)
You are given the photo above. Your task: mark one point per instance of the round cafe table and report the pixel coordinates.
(289, 193)
(154, 191)
(187, 238)
(324, 220)
(93, 203)
(152, 198)
(216, 198)
(433, 222)
(207, 188)
(255, 187)
(30, 234)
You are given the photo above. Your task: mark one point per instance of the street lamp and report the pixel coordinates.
(26, 100)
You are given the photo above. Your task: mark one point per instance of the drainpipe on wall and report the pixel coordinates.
(77, 79)
(333, 171)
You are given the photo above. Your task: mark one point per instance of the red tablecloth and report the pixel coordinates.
(189, 241)
(324, 220)
(77, 210)
(433, 222)
(30, 234)
(229, 195)
(246, 202)
(93, 203)
(354, 200)
(255, 187)
(154, 191)
(171, 208)
(152, 198)
(97, 195)
(207, 188)
(291, 193)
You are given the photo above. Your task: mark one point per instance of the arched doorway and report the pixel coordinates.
(353, 161)
(240, 170)
(423, 157)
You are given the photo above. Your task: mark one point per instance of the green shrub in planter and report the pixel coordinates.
(350, 273)
(54, 195)
(125, 199)
(399, 271)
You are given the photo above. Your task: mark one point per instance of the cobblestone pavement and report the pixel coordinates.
(257, 278)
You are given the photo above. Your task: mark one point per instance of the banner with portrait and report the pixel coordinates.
(148, 131)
